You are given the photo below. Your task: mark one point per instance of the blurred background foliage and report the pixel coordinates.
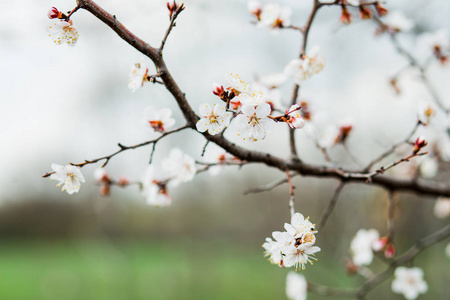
(62, 105)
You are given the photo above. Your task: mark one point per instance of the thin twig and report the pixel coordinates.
(123, 148)
(329, 209)
(171, 26)
(269, 186)
(390, 218)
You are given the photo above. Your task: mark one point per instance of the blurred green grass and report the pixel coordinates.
(103, 269)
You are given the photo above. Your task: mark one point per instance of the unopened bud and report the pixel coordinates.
(380, 9)
(389, 252)
(218, 90)
(255, 8)
(172, 6)
(105, 190)
(419, 144)
(346, 17)
(123, 181)
(54, 13)
(365, 13)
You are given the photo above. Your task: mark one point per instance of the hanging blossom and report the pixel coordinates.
(296, 286)
(155, 190)
(361, 246)
(69, 177)
(426, 112)
(179, 167)
(63, 32)
(409, 282)
(158, 119)
(213, 119)
(294, 247)
(305, 67)
(138, 75)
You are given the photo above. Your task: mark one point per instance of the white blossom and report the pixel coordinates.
(434, 43)
(254, 7)
(296, 286)
(69, 177)
(273, 80)
(442, 208)
(305, 67)
(300, 256)
(138, 75)
(179, 167)
(253, 122)
(158, 119)
(429, 167)
(238, 86)
(275, 248)
(155, 191)
(299, 226)
(362, 245)
(398, 20)
(63, 32)
(275, 16)
(213, 119)
(426, 111)
(409, 282)
(296, 120)
(100, 174)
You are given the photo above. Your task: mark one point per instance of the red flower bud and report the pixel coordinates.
(123, 181)
(218, 90)
(389, 252)
(172, 6)
(380, 9)
(346, 17)
(419, 144)
(365, 13)
(54, 13)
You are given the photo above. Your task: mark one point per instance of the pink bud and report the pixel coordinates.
(172, 6)
(389, 252)
(105, 190)
(123, 181)
(54, 13)
(380, 9)
(218, 90)
(419, 144)
(346, 17)
(365, 13)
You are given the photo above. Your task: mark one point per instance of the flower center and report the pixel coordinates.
(157, 125)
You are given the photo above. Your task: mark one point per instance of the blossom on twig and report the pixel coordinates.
(159, 120)
(63, 32)
(213, 119)
(306, 66)
(409, 282)
(69, 177)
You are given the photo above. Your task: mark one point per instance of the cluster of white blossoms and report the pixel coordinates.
(296, 286)
(409, 282)
(138, 75)
(306, 66)
(69, 177)
(272, 15)
(158, 119)
(295, 246)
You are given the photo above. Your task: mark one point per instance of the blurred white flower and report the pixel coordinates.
(442, 208)
(101, 175)
(409, 282)
(158, 119)
(305, 67)
(437, 44)
(69, 176)
(443, 147)
(296, 286)
(296, 120)
(361, 246)
(137, 76)
(154, 190)
(426, 111)
(271, 96)
(217, 155)
(254, 7)
(63, 32)
(275, 16)
(253, 122)
(429, 167)
(179, 167)
(398, 21)
(273, 80)
(213, 118)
